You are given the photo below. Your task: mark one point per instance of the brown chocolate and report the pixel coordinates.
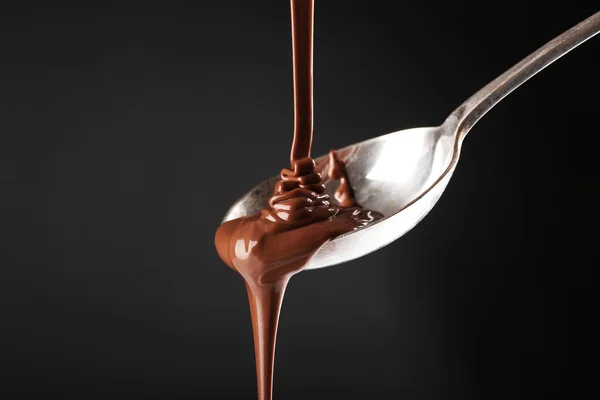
(344, 194)
(267, 249)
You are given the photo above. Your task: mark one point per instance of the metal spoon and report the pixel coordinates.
(403, 174)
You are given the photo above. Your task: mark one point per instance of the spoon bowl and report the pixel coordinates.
(403, 174)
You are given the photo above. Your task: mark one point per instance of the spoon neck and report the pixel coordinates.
(467, 115)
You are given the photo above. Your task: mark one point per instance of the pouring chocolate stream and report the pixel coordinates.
(267, 249)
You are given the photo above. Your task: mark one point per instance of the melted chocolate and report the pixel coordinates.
(344, 194)
(267, 249)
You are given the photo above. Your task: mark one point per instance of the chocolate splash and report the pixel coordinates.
(344, 194)
(267, 249)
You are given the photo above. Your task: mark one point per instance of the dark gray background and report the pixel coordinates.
(126, 131)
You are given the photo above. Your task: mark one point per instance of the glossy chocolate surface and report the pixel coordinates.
(267, 249)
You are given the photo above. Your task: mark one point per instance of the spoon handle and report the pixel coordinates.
(465, 116)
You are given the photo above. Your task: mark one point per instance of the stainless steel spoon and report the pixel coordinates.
(403, 174)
